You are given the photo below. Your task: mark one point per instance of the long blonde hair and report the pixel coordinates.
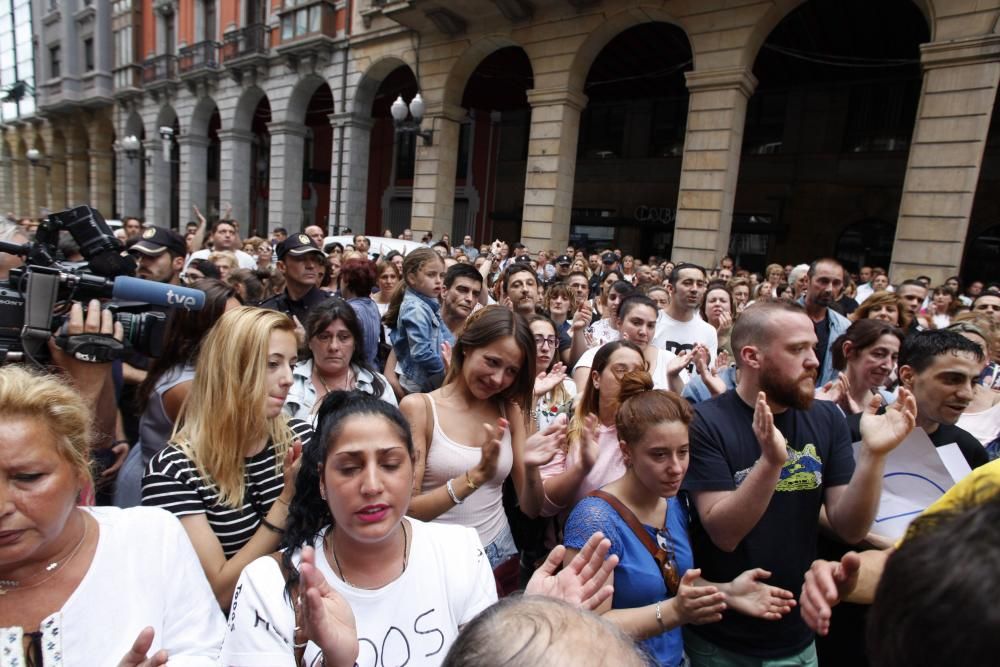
(225, 409)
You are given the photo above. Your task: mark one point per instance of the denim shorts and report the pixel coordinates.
(502, 548)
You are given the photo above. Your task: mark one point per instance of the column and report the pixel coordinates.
(949, 137)
(434, 172)
(22, 201)
(551, 169)
(6, 178)
(38, 187)
(285, 184)
(234, 187)
(100, 181)
(129, 175)
(717, 107)
(349, 173)
(77, 175)
(157, 184)
(194, 174)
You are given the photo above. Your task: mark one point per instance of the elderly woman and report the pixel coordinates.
(65, 570)
(335, 361)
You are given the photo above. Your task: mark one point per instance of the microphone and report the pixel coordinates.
(158, 294)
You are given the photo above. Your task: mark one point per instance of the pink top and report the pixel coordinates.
(447, 459)
(608, 467)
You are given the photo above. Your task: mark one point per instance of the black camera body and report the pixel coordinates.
(36, 295)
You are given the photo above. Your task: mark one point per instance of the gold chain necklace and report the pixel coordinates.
(53, 568)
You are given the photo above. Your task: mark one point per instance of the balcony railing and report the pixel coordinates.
(128, 78)
(253, 40)
(199, 56)
(159, 69)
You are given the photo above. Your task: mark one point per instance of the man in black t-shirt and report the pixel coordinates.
(940, 367)
(764, 459)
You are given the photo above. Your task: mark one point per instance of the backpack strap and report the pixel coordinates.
(299, 639)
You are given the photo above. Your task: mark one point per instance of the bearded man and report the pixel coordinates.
(765, 458)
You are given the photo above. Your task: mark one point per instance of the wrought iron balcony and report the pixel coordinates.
(201, 57)
(252, 40)
(159, 70)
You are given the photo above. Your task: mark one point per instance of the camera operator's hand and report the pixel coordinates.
(88, 377)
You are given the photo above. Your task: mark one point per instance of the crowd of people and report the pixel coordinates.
(474, 455)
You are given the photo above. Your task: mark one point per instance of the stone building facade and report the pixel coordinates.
(280, 110)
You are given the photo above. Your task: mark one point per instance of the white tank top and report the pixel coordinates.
(447, 459)
(984, 426)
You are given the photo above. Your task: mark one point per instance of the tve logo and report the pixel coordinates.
(175, 299)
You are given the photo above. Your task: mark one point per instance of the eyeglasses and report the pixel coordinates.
(671, 572)
(541, 341)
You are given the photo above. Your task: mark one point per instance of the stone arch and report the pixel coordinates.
(201, 116)
(167, 116)
(781, 9)
(608, 30)
(364, 95)
(245, 108)
(133, 125)
(298, 100)
(466, 64)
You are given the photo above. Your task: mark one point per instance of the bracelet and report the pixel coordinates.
(271, 527)
(469, 482)
(451, 492)
(659, 615)
(285, 503)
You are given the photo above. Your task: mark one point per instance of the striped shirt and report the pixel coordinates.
(172, 482)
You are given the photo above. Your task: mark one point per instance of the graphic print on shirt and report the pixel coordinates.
(803, 471)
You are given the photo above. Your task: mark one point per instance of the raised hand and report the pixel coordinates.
(883, 433)
(489, 453)
(772, 444)
(721, 361)
(698, 604)
(542, 445)
(826, 584)
(725, 320)
(290, 472)
(749, 595)
(136, 657)
(581, 320)
(681, 361)
(586, 447)
(197, 214)
(446, 354)
(546, 382)
(582, 582)
(327, 618)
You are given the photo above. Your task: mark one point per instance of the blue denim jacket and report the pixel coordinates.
(417, 339)
(838, 324)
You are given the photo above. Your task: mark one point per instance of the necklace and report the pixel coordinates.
(340, 569)
(347, 384)
(53, 568)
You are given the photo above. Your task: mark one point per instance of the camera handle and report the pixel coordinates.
(39, 300)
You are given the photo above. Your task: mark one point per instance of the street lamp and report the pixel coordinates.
(131, 145)
(404, 125)
(36, 159)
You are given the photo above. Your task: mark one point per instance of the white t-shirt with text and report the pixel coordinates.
(411, 621)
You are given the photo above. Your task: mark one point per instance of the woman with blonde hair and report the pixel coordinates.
(65, 570)
(229, 470)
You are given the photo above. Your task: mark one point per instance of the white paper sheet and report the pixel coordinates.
(915, 476)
